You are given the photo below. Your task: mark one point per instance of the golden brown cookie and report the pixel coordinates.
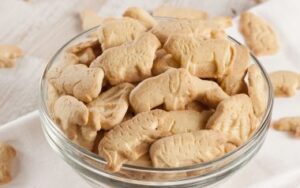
(114, 32)
(57, 68)
(132, 139)
(233, 82)
(235, 118)
(70, 113)
(8, 55)
(211, 58)
(163, 62)
(174, 89)
(291, 124)
(257, 90)
(7, 154)
(185, 121)
(110, 107)
(187, 149)
(130, 62)
(52, 96)
(259, 35)
(202, 28)
(285, 83)
(78, 80)
(144, 161)
(84, 52)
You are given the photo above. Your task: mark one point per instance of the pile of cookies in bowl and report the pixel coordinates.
(158, 93)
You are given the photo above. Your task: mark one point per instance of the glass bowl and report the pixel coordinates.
(91, 166)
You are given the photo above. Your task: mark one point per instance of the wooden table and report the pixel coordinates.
(40, 27)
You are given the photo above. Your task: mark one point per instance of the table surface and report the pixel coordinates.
(40, 27)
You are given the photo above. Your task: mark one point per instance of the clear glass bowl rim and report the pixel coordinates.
(92, 156)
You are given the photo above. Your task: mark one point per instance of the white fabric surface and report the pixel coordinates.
(36, 164)
(277, 164)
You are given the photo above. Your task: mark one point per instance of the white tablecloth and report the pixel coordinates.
(277, 164)
(37, 165)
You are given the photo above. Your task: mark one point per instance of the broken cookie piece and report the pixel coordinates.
(187, 149)
(130, 62)
(290, 124)
(7, 154)
(211, 58)
(285, 83)
(235, 118)
(8, 55)
(259, 35)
